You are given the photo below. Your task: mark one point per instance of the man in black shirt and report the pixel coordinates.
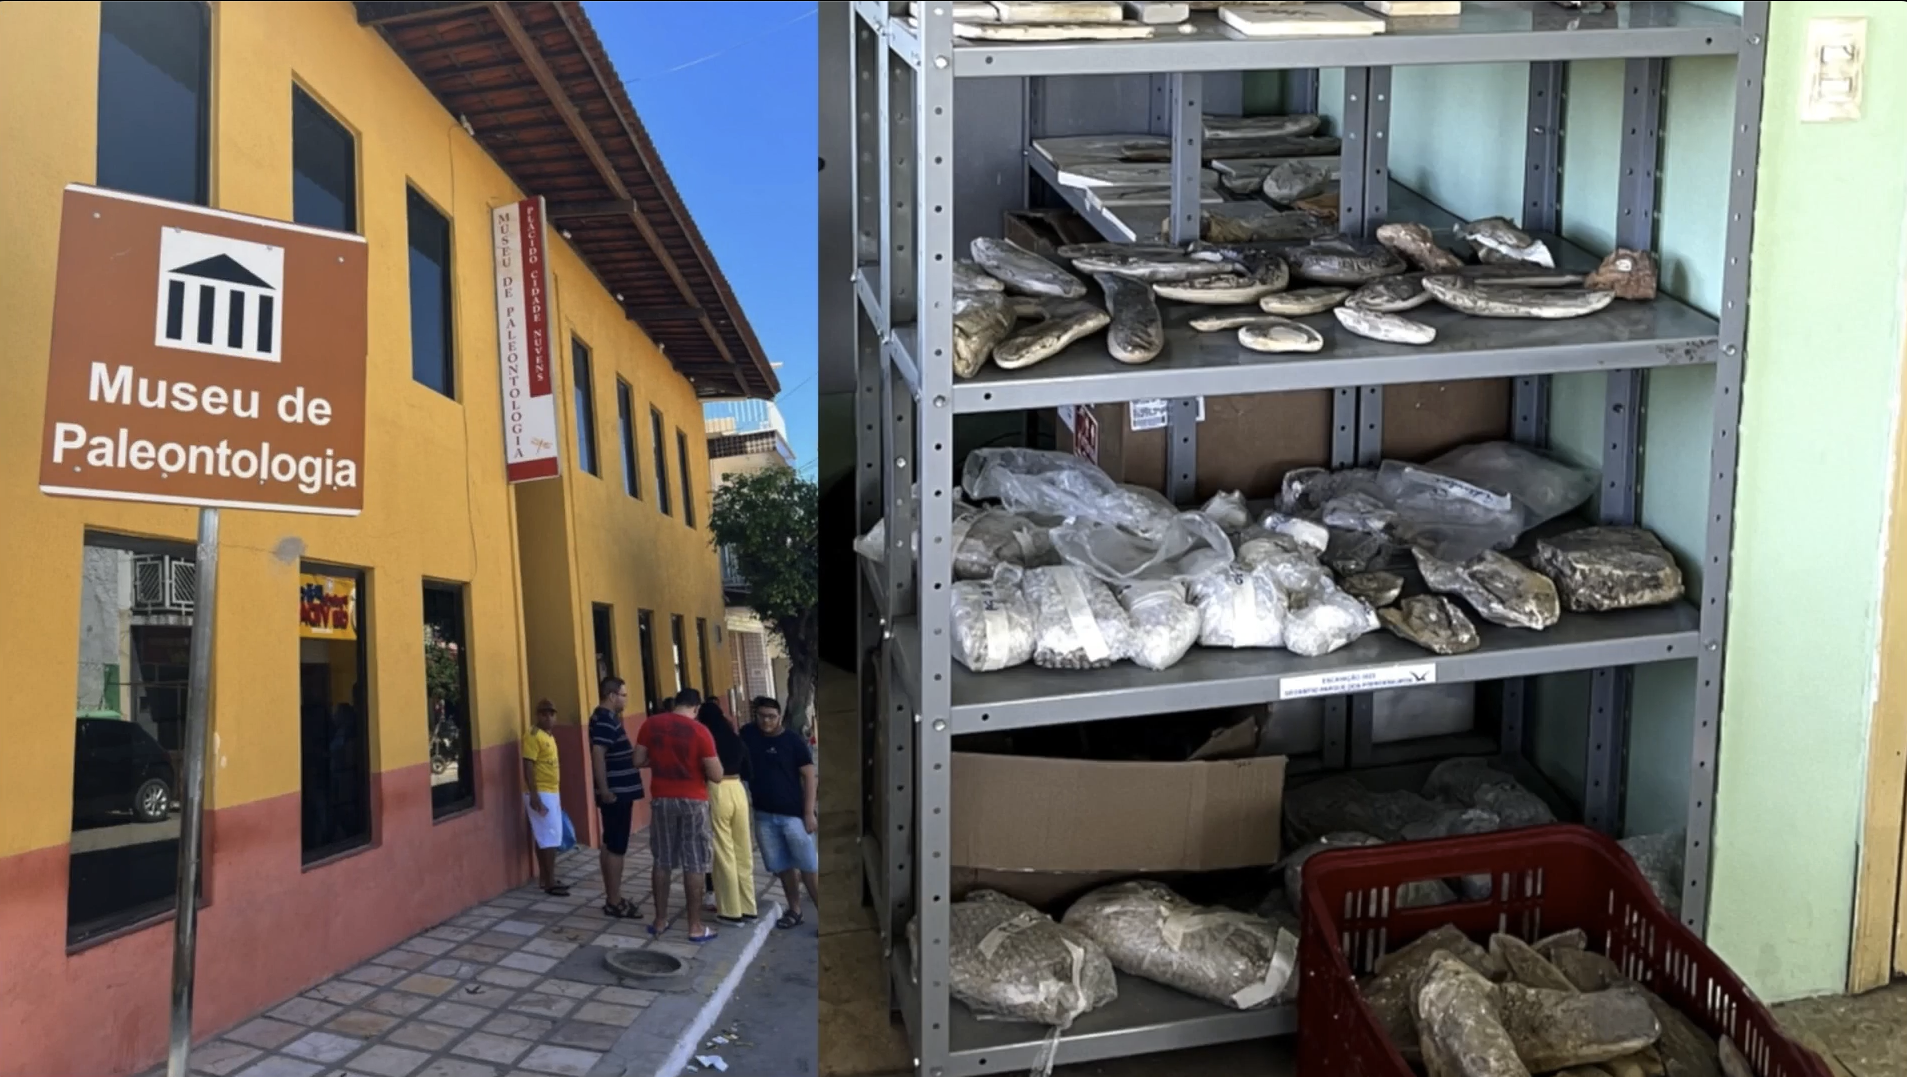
(618, 786)
(782, 780)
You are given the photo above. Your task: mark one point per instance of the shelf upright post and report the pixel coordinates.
(1182, 96)
(933, 200)
(1720, 522)
(1301, 91)
(1610, 688)
(1529, 421)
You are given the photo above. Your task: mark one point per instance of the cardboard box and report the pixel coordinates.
(1040, 829)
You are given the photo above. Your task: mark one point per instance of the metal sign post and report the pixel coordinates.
(185, 924)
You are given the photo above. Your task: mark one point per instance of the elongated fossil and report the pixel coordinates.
(1302, 301)
(1062, 324)
(1137, 333)
(1390, 328)
(1510, 301)
(1024, 271)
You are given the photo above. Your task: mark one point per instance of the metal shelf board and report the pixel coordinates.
(1209, 678)
(1484, 33)
(1146, 1018)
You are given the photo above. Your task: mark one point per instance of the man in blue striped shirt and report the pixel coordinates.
(618, 787)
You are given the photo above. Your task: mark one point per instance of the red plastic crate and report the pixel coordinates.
(1548, 879)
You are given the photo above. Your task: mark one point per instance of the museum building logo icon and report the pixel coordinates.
(220, 295)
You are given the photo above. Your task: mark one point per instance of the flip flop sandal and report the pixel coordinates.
(708, 935)
(620, 911)
(556, 891)
(653, 933)
(788, 920)
(734, 921)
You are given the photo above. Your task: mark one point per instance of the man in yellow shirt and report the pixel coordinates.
(542, 776)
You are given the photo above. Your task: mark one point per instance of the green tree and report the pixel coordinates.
(768, 520)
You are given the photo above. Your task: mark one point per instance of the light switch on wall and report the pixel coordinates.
(1833, 70)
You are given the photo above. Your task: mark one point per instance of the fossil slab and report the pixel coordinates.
(1432, 622)
(1024, 271)
(1457, 1024)
(1150, 264)
(1249, 146)
(963, 11)
(1059, 11)
(1254, 222)
(1685, 1050)
(1277, 335)
(1629, 274)
(1227, 128)
(1377, 589)
(1219, 321)
(1527, 967)
(1610, 568)
(1336, 261)
(1229, 289)
(1573, 939)
(1299, 302)
(1586, 971)
(1157, 12)
(1302, 177)
(969, 277)
(1557, 1030)
(1324, 206)
(1137, 333)
(1061, 324)
(1391, 295)
(1390, 328)
(1418, 246)
(1512, 301)
(1519, 273)
(1502, 591)
(1498, 236)
(981, 320)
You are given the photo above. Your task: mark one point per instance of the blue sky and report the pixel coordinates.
(727, 91)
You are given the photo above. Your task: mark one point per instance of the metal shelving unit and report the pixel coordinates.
(904, 75)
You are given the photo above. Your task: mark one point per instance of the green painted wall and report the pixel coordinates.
(1818, 418)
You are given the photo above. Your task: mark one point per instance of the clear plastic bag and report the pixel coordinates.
(1189, 545)
(1479, 497)
(1341, 804)
(1239, 607)
(985, 539)
(1008, 959)
(1229, 957)
(1057, 486)
(1164, 624)
(1228, 511)
(1312, 536)
(1474, 782)
(1077, 621)
(1319, 617)
(992, 622)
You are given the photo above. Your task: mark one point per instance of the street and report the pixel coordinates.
(768, 1029)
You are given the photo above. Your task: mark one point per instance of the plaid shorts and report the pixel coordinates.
(680, 837)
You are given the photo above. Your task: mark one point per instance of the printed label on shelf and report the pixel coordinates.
(1357, 680)
(1153, 414)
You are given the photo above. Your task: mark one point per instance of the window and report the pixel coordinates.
(681, 653)
(602, 622)
(453, 785)
(432, 348)
(585, 407)
(702, 649)
(333, 711)
(626, 414)
(660, 449)
(154, 99)
(135, 644)
(688, 488)
(646, 641)
(324, 167)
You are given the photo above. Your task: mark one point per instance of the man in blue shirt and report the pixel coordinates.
(618, 787)
(783, 788)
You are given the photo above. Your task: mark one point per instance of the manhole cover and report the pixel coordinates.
(645, 964)
(590, 965)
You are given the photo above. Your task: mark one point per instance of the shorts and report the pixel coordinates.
(546, 829)
(680, 837)
(785, 844)
(616, 818)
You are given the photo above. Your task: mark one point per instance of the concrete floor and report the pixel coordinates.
(1858, 1037)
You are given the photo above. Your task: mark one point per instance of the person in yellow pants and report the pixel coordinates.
(729, 817)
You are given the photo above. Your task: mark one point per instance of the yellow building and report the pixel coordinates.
(372, 674)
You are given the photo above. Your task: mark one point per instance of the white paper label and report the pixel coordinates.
(1079, 614)
(1155, 414)
(1488, 500)
(1357, 680)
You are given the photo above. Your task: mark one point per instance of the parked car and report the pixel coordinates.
(121, 769)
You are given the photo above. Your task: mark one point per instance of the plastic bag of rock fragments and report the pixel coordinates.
(1007, 959)
(1052, 486)
(1480, 497)
(992, 622)
(1229, 957)
(1342, 804)
(1501, 590)
(984, 539)
(1417, 895)
(1659, 858)
(1164, 624)
(1077, 621)
(1314, 537)
(1610, 568)
(1239, 607)
(1228, 511)
(1189, 545)
(1319, 617)
(1459, 822)
(1473, 782)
